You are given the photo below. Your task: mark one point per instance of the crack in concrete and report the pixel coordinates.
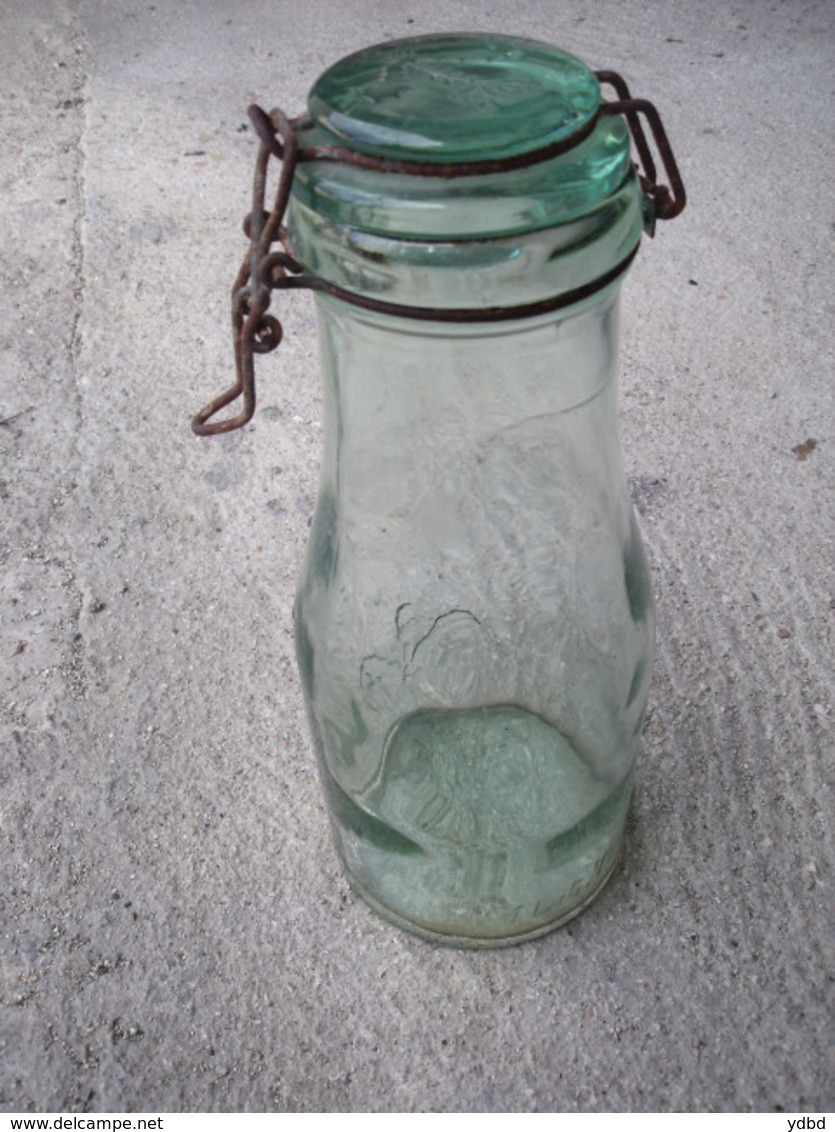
(73, 670)
(41, 430)
(79, 106)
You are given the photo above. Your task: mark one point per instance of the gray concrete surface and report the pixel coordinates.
(176, 932)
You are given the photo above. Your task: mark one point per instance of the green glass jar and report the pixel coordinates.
(474, 619)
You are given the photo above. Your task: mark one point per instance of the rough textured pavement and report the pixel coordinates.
(177, 935)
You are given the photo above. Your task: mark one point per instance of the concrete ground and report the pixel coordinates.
(177, 935)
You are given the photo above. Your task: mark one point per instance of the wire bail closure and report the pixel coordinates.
(263, 271)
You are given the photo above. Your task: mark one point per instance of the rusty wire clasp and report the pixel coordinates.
(666, 202)
(253, 330)
(263, 271)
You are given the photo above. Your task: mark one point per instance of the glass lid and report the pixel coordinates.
(455, 98)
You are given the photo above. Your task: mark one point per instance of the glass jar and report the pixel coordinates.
(474, 619)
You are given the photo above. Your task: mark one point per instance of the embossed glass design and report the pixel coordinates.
(474, 620)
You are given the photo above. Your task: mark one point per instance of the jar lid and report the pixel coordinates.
(455, 98)
(461, 100)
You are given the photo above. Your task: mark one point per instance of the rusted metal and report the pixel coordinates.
(443, 170)
(254, 331)
(668, 200)
(271, 127)
(448, 314)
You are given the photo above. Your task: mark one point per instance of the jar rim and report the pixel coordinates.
(526, 110)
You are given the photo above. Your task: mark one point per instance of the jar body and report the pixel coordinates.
(474, 620)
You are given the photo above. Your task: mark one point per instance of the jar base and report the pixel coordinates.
(528, 864)
(481, 943)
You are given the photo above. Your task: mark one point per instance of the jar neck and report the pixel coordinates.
(480, 274)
